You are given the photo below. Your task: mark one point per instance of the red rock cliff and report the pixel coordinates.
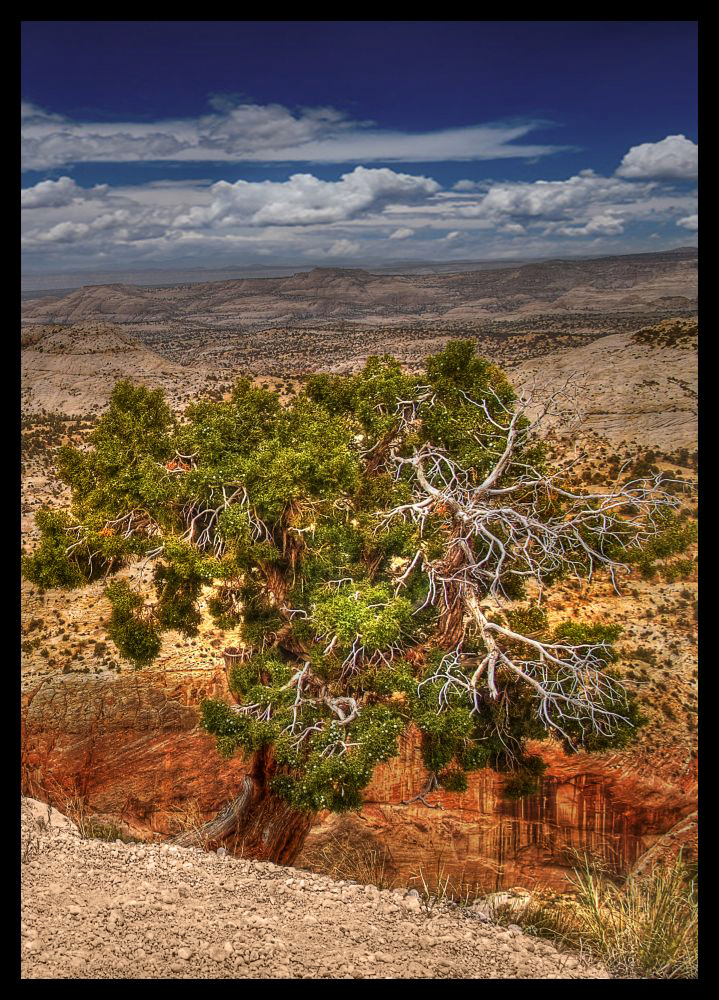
(131, 748)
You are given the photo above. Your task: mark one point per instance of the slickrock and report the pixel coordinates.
(73, 371)
(625, 391)
(92, 910)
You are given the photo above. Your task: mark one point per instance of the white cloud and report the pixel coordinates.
(264, 133)
(602, 225)
(56, 194)
(554, 199)
(30, 112)
(376, 212)
(344, 248)
(307, 200)
(689, 222)
(674, 158)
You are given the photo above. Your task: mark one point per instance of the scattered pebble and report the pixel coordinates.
(89, 914)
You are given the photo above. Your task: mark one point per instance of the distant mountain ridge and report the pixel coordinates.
(633, 282)
(159, 277)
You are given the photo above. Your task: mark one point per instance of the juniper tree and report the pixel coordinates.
(381, 543)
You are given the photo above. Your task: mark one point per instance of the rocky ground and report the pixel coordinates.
(98, 910)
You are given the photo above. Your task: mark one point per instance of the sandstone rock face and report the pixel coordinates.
(74, 370)
(625, 391)
(587, 804)
(131, 748)
(128, 746)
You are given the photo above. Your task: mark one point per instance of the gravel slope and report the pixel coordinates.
(97, 910)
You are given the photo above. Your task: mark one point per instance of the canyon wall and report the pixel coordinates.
(130, 749)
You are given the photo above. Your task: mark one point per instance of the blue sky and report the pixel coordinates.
(230, 142)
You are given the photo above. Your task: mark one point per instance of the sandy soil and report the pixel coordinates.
(98, 910)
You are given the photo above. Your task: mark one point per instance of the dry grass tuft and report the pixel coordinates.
(646, 928)
(344, 860)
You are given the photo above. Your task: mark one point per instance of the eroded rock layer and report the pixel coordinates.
(130, 749)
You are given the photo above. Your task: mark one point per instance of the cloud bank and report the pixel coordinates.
(375, 212)
(263, 133)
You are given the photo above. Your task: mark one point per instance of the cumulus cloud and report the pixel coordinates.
(265, 133)
(674, 158)
(554, 199)
(602, 225)
(56, 194)
(371, 211)
(307, 200)
(689, 222)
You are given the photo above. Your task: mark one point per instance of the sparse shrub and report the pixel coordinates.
(645, 928)
(642, 653)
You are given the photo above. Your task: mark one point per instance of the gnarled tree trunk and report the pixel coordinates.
(450, 627)
(257, 823)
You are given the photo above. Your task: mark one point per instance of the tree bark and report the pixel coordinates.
(451, 621)
(257, 823)
(450, 628)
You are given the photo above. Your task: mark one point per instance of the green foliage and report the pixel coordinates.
(125, 469)
(178, 592)
(50, 566)
(369, 398)
(263, 669)
(628, 707)
(673, 538)
(135, 636)
(220, 433)
(231, 730)
(474, 756)
(397, 679)
(679, 569)
(453, 780)
(531, 621)
(578, 634)
(336, 782)
(310, 778)
(279, 517)
(525, 780)
(138, 418)
(445, 734)
(370, 615)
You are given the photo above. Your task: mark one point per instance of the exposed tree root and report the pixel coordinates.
(256, 824)
(431, 786)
